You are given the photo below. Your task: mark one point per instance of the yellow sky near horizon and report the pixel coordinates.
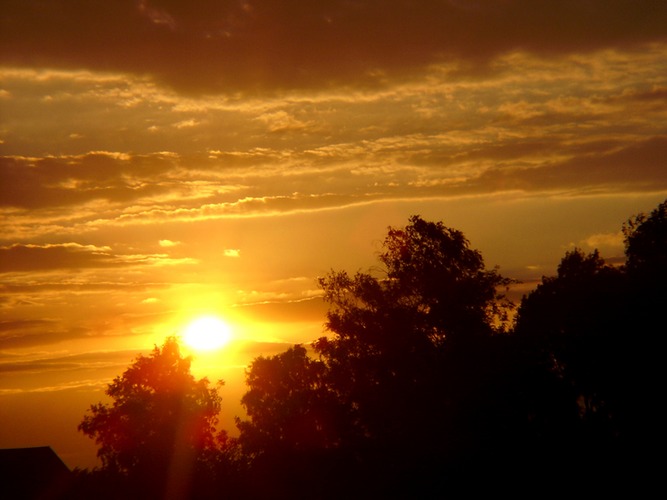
(162, 160)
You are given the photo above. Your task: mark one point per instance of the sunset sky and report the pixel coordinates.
(161, 160)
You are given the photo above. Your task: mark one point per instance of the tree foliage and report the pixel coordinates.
(421, 386)
(393, 337)
(288, 403)
(433, 267)
(420, 375)
(646, 243)
(382, 384)
(595, 327)
(576, 325)
(159, 414)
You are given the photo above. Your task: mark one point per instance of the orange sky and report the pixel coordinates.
(164, 159)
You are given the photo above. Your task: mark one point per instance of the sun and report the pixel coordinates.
(207, 333)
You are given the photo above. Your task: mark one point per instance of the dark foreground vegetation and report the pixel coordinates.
(423, 387)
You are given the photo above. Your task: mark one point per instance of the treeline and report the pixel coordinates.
(428, 384)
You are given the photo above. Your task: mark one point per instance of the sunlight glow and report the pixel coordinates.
(207, 333)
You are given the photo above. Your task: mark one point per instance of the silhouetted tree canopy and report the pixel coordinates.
(421, 388)
(386, 385)
(160, 422)
(396, 337)
(596, 328)
(646, 243)
(288, 403)
(433, 267)
(576, 324)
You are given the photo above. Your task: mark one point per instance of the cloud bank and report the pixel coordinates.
(209, 46)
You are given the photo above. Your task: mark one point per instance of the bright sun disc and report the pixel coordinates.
(206, 334)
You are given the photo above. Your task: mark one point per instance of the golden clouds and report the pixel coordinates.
(577, 124)
(281, 121)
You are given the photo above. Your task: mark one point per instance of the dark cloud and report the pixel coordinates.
(656, 94)
(31, 337)
(639, 167)
(288, 311)
(209, 46)
(88, 360)
(500, 152)
(265, 348)
(27, 333)
(21, 257)
(23, 324)
(37, 287)
(65, 181)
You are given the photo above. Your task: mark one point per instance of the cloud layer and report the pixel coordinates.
(246, 45)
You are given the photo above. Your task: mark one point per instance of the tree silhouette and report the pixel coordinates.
(575, 325)
(398, 340)
(160, 423)
(303, 412)
(646, 243)
(433, 267)
(646, 270)
(646, 296)
(408, 353)
(294, 429)
(420, 387)
(595, 328)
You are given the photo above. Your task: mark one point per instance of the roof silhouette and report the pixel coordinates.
(35, 473)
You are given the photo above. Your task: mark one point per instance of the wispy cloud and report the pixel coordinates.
(604, 242)
(169, 243)
(30, 257)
